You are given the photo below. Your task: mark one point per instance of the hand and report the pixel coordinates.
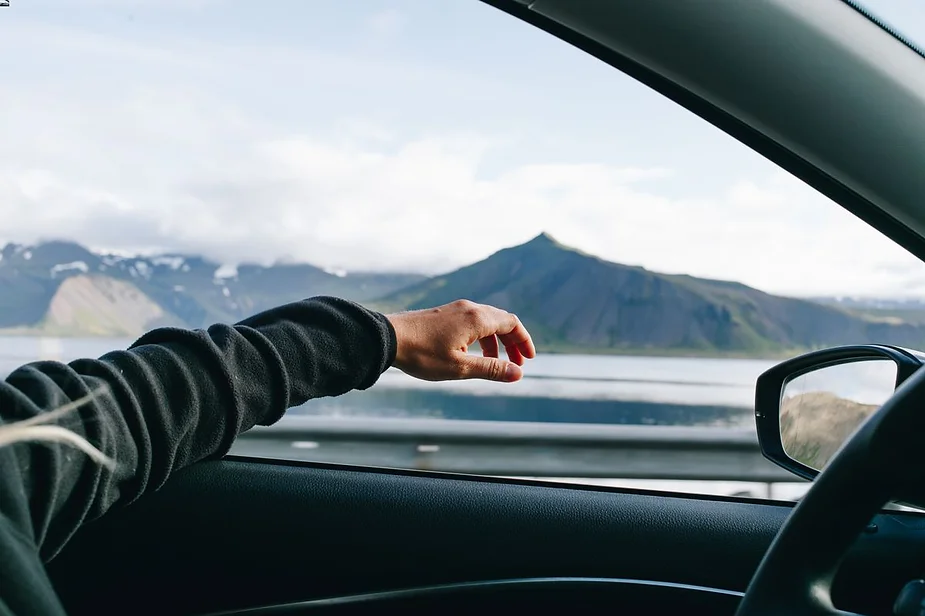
(433, 343)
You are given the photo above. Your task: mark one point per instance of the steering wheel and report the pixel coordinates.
(883, 461)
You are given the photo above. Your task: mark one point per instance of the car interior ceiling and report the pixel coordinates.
(279, 537)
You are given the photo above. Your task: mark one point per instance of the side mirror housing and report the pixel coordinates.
(807, 407)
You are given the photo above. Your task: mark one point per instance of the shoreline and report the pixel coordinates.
(778, 355)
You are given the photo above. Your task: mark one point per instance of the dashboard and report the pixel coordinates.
(545, 595)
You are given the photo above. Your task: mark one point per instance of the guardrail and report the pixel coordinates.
(520, 448)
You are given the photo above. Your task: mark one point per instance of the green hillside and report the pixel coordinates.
(574, 301)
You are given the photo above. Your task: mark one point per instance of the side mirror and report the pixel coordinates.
(807, 407)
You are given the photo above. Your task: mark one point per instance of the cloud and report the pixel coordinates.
(147, 149)
(388, 22)
(136, 4)
(424, 206)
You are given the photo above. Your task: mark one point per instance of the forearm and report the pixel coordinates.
(176, 397)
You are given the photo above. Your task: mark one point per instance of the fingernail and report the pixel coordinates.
(512, 372)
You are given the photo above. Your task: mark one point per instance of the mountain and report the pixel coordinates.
(873, 303)
(571, 301)
(63, 288)
(814, 425)
(574, 301)
(883, 308)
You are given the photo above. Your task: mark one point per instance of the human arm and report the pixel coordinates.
(179, 396)
(175, 397)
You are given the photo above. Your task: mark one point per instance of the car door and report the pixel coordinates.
(365, 517)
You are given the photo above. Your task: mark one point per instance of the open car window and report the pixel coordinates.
(183, 163)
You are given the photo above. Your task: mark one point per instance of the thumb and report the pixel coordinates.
(490, 369)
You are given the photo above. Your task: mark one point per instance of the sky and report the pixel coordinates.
(403, 135)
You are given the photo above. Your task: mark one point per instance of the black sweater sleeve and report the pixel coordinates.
(173, 398)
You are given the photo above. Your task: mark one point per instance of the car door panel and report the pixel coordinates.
(241, 533)
(546, 595)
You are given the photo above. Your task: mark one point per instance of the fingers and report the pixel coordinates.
(513, 335)
(490, 348)
(496, 325)
(490, 369)
(489, 345)
(487, 321)
(492, 322)
(514, 354)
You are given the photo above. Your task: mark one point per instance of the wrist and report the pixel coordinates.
(396, 347)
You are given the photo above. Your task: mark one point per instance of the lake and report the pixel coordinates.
(556, 388)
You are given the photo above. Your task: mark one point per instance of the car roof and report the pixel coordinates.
(817, 87)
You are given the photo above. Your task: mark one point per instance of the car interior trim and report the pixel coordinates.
(452, 589)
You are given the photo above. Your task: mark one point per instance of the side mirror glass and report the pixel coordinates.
(806, 408)
(821, 408)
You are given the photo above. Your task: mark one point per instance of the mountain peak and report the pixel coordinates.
(544, 241)
(547, 244)
(544, 238)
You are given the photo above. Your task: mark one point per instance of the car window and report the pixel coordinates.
(185, 163)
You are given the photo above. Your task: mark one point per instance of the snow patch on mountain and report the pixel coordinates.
(340, 273)
(226, 271)
(78, 266)
(172, 262)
